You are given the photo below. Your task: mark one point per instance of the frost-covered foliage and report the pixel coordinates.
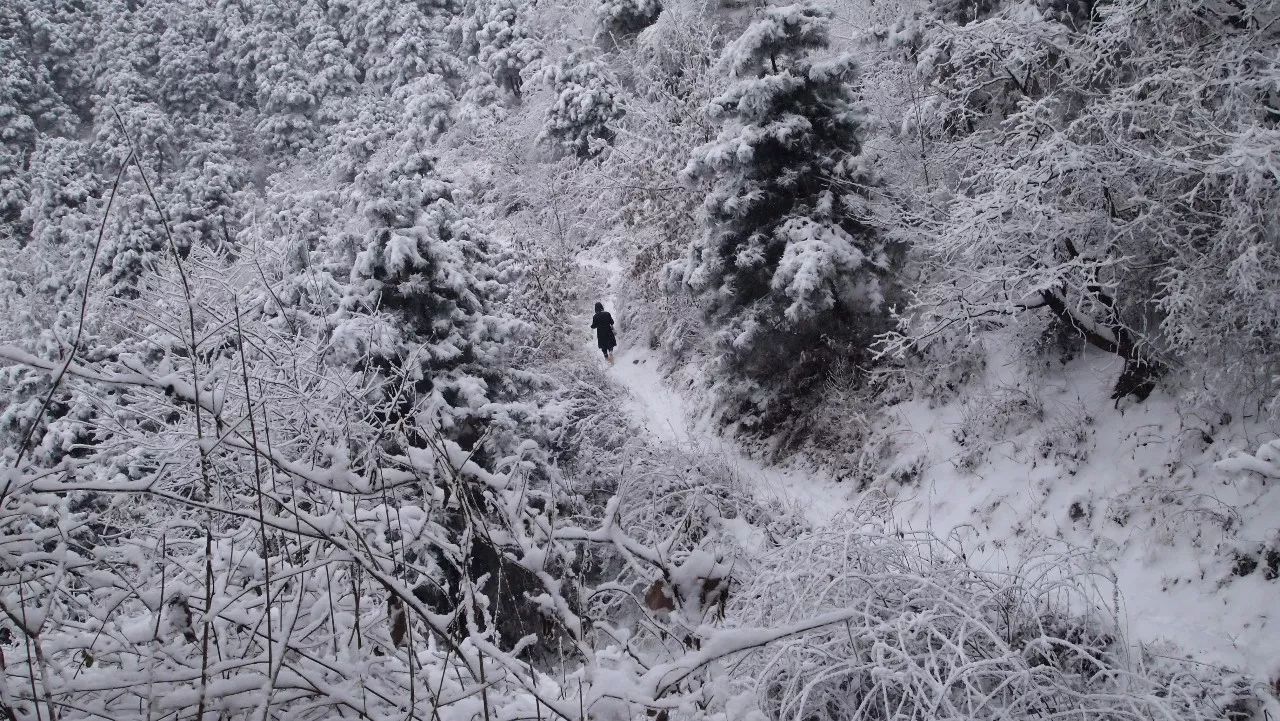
(504, 47)
(674, 72)
(307, 488)
(1110, 164)
(16, 126)
(255, 386)
(585, 107)
(914, 632)
(789, 265)
(237, 517)
(623, 18)
(291, 420)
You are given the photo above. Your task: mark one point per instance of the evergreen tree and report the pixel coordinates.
(586, 105)
(17, 129)
(397, 42)
(432, 270)
(326, 59)
(205, 188)
(190, 84)
(624, 18)
(788, 259)
(56, 38)
(61, 213)
(503, 45)
(41, 276)
(284, 100)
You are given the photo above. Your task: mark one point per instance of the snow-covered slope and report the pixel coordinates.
(1014, 463)
(663, 412)
(1010, 465)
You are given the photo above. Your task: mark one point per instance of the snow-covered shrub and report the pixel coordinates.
(1106, 171)
(1066, 440)
(844, 428)
(1002, 414)
(1265, 461)
(945, 370)
(1043, 342)
(936, 372)
(914, 632)
(597, 434)
(1180, 512)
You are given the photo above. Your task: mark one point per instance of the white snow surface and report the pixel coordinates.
(662, 411)
(665, 413)
(1151, 505)
(1175, 593)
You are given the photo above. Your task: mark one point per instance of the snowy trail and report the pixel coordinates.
(1167, 604)
(1191, 617)
(667, 417)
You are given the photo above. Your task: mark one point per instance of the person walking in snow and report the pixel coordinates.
(603, 323)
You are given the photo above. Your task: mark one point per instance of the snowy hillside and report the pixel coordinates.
(639, 360)
(1192, 546)
(1020, 460)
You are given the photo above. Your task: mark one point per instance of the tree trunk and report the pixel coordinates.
(1138, 378)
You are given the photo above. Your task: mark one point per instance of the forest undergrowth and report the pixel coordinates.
(305, 579)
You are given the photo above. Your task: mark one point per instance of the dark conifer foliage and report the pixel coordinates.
(790, 265)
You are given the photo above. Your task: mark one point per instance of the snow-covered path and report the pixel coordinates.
(669, 419)
(1165, 595)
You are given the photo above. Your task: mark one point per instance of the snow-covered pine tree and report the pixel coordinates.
(41, 276)
(285, 101)
(13, 186)
(17, 129)
(625, 18)
(43, 46)
(211, 166)
(504, 47)
(586, 105)
(208, 187)
(58, 36)
(789, 263)
(397, 42)
(189, 82)
(325, 57)
(431, 268)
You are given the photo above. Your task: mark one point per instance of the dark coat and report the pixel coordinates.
(603, 323)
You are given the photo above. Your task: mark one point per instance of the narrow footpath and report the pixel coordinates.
(667, 417)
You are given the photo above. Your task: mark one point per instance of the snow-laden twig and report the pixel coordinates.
(1265, 461)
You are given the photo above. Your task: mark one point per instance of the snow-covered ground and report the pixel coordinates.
(1134, 486)
(663, 412)
(668, 417)
(1164, 531)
